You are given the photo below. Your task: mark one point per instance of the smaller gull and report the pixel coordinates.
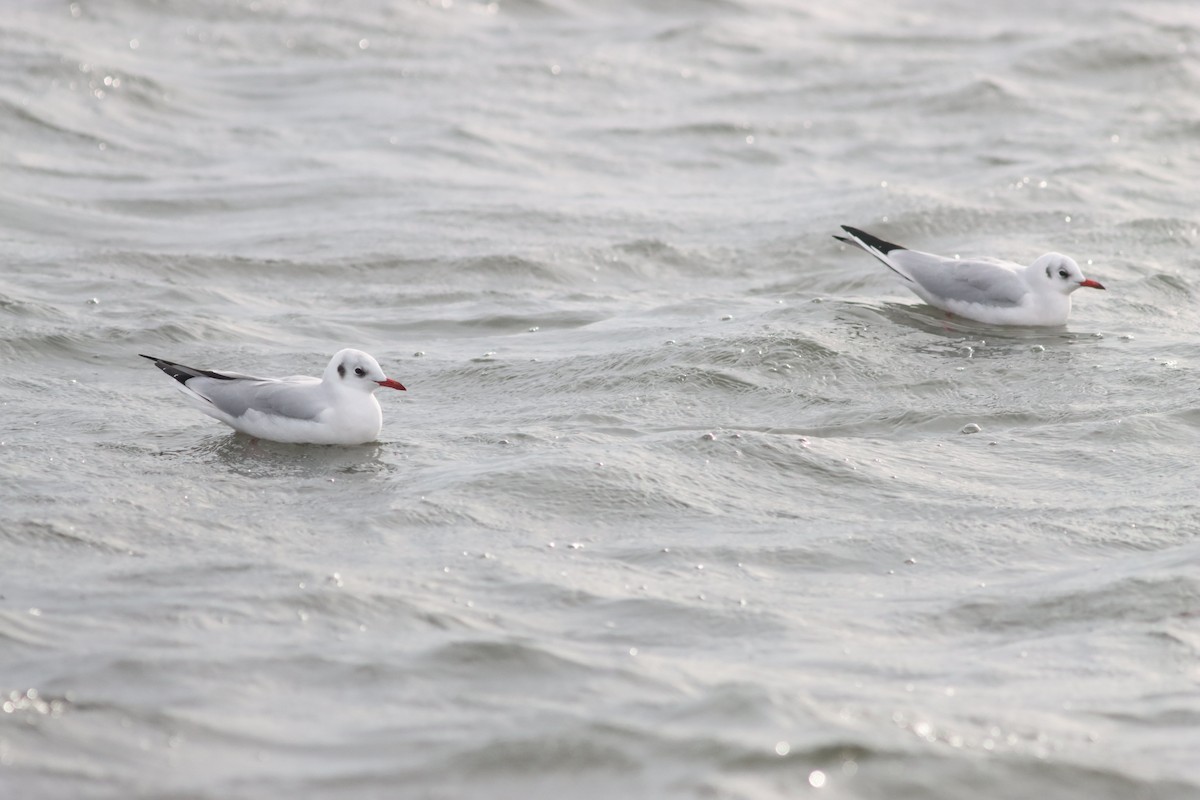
(337, 408)
(986, 290)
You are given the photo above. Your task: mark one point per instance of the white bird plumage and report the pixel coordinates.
(983, 289)
(338, 408)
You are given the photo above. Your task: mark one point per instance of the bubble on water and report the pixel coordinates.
(1037, 348)
(782, 748)
(816, 779)
(971, 427)
(708, 437)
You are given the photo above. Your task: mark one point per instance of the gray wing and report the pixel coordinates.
(295, 398)
(992, 283)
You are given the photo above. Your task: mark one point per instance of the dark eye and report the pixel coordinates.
(1062, 273)
(359, 371)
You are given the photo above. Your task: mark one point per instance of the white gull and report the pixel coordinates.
(337, 408)
(983, 289)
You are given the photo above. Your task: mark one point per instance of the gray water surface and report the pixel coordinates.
(678, 503)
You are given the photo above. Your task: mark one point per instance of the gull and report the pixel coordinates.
(337, 408)
(986, 290)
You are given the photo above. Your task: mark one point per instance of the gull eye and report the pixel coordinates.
(1062, 273)
(359, 371)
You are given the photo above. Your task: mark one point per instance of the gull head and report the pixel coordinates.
(1061, 273)
(356, 370)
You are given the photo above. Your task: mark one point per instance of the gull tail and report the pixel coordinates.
(875, 246)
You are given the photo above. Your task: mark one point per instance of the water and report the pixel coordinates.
(679, 502)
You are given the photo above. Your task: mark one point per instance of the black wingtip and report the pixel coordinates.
(843, 239)
(184, 374)
(871, 241)
(181, 374)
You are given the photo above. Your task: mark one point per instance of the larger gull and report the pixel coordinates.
(337, 408)
(983, 289)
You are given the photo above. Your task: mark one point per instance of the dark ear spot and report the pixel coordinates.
(341, 370)
(1048, 275)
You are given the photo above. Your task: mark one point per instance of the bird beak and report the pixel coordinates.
(1091, 283)
(391, 384)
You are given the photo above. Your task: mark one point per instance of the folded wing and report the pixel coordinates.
(984, 282)
(293, 398)
(234, 394)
